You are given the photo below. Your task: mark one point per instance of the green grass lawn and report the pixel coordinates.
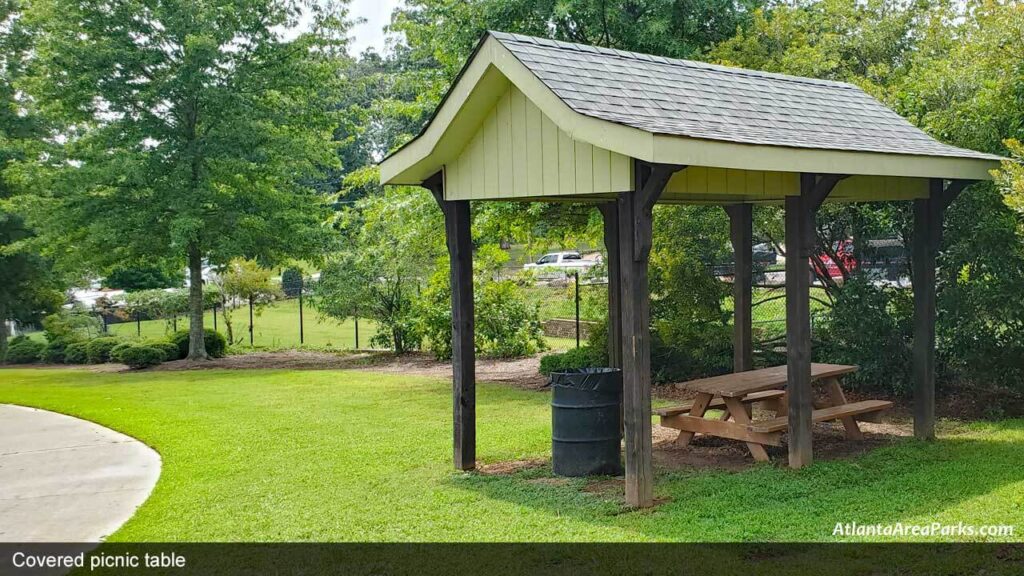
(274, 326)
(359, 456)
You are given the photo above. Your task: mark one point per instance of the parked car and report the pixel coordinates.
(764, 254)
(570, 260)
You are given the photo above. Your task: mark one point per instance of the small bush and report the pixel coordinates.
(98, 350)
(582, 357)
(53, 353)
(115, 352)
(216, 343)
(22, 350)
(76, 353)
(170, 349)
(141, 356)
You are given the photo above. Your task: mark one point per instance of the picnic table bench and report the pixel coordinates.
(737, 393)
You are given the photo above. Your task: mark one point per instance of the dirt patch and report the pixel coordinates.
(511, 467)
(521, 373)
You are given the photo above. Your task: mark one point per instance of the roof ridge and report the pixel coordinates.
(627, 55)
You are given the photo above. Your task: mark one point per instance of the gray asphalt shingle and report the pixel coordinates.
(699, 100)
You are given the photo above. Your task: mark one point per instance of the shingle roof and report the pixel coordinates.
(698, 100)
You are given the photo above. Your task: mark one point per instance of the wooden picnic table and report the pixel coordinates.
(736, 393)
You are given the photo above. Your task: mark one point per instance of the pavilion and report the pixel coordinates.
(531, 119)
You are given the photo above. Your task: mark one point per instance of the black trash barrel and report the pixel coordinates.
(585, 406)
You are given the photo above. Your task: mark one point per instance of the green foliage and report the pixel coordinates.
(291, 282)
(582, 357)
(870, 327)
(71, 325)
(981, 284)
(98, 349)
(205, 142)
(143, 277)
(22, 350)
(141, 356)
(216, 344)
(247, 280)
(53, 353)
(76, 353)
(390, 239)
(172, 351)
(115, 352)
(506, 324)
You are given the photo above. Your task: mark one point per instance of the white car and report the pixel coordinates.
(565, 260)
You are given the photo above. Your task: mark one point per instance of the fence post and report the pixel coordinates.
(250, 321)
(214, 316)
(104, 319)
(577, 275)
(357, 331)
(302, 333)
(138, 324)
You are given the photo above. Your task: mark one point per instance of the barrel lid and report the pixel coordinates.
(596, 379)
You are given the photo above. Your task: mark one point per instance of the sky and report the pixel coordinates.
(370, 34)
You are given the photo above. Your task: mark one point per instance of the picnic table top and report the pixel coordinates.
(743, 383)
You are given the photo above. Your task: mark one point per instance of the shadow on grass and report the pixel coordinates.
(910, 481)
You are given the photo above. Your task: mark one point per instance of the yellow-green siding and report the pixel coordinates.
(519, 152)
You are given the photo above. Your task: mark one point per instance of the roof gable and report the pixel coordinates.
(679, 112)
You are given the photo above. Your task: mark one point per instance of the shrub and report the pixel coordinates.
(216, 344)
(98, 349)
(507, 325)
(582, 357)
(53, 353)
(170, 348)
(871, 327)
(71, 325)
(76, 353)
(141, 356)
(115, 352)
(22, 350)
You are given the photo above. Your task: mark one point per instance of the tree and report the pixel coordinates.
(391, 239)
(188, 132)
(29, 289)
(246, 280)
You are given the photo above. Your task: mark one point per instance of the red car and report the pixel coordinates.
(844, 252)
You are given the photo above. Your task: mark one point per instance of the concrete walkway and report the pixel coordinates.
(68, 480)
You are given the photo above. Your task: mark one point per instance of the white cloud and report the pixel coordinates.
(370, 34)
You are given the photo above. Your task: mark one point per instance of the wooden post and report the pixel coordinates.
(610, 214)
(800, 240)
(741, 224)
(460, 251)
(635, 231)
(928, 215)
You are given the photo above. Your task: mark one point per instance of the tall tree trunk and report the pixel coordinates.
(196, 344)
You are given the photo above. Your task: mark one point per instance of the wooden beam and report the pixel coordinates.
(635, 230)
(741, 221)
(800, 212)
(926, 239)
(651, 181)
(460, 251)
